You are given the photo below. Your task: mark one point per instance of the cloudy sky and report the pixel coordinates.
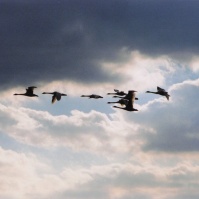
(81, 148)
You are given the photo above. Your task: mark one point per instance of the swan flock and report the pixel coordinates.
(126, 99)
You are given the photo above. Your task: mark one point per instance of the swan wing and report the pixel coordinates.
(119, 107)
(132, 97)
(160, 89)
(131, 100)
(167, 96)
(129, 105)
(30, 89)
(54, 99)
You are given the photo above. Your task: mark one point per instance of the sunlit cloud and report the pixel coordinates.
(194, 63)
(141, 71)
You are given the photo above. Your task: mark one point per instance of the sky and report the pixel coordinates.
(80, 148)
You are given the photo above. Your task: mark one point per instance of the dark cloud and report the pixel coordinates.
(49, 40)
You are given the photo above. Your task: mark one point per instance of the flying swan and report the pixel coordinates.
(160, 91)
(29, 92)
(56, 96)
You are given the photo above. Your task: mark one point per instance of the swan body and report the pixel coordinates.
(117, 92)
(121, 101)
(94, 96)
(56, 96)
(127, 108)
(29, 92)
(160, 91)
(129, 105)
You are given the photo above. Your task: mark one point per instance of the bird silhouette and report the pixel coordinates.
(94, 96)
(121, 101)
(117, 92)
(29, 92)
(160, 91)
(56, 96)
(129, 106)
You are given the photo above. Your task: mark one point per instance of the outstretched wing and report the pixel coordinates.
(54, 99)
(167, 96)
(160, 89)
(131, 100)
(30, 89)
(128, 96)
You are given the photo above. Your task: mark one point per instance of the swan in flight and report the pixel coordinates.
(94, 96)
(117, 92)
(129, 106)
(121, 101)
(29, 92)
(160, 91)
(56, 95)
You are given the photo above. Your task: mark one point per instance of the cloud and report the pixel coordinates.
(194, 63)
(153, 127)
(172, 126)
(122, 180)
(47, 41)
(33, 177)
(139, 155)
(38, 179)
(137, 68)
(93, 131)
(21, 171)
(112, 180)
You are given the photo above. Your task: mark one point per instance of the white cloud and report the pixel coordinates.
(194, 63)
(140, 71)
(20, 174)
(93, 131)
(32, 178)
(165, 119)
(123, 180)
